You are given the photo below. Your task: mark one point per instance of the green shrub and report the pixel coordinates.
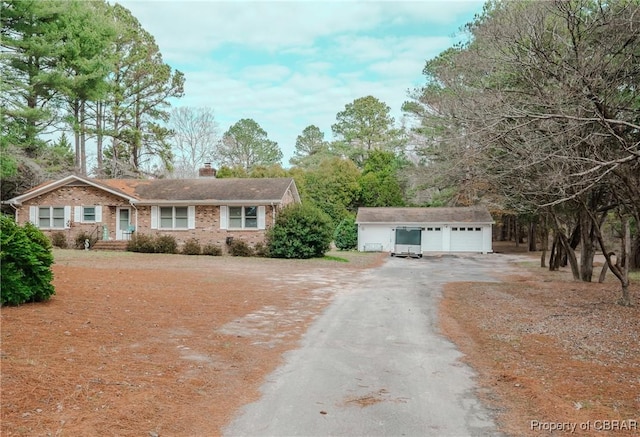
(240, 248)
(212, 250)
(191, 247)
(166, 244)
(80, 237)
(58, 239)
(300, 231)
(346, 234)
(25, 264)
(141, 243)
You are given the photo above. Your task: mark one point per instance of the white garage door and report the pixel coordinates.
(466, 239)
(432, 239)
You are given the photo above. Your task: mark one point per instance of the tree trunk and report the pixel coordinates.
(569, 253)
(532, 237)
(545, 242)
(603, 272)
(99, 138)
(83, 141)
(587, 247)
(504, 227)
(76, 135)
(634, 256)
(625, 299)
(554, 263)
(621, 268)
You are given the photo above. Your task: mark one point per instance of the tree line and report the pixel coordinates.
(536, 116)
(539, 115)
(88, 68)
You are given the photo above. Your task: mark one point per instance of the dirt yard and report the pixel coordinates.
(155, 345)
(553, 356)
(159, 345)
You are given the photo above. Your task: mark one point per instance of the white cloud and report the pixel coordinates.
(288, 65)
(265, 72)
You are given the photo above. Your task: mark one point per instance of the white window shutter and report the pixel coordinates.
(98, 213)
(154, 217)
(191, 217)
(77, 214)
(67, 216)
(223, 217)
(33, 215)
(261, 217)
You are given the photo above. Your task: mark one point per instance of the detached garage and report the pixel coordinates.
(414, 231)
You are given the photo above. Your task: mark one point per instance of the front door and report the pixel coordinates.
(123, 221)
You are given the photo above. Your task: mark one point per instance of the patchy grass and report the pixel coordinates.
(335, 258)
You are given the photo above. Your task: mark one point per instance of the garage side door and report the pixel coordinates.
(466, 239)
(432, 239)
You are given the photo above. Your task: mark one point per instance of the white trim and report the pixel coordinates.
(67, 217)
(154, 217)
(120, 232)
(33, 216)
(191, 217)
(190, 210)
(261, 217)
(78, 213)
(223, 217)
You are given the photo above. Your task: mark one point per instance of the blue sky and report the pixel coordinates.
(288, 65)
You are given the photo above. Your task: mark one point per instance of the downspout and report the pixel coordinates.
(15, 215)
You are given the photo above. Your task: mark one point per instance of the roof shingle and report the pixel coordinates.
(475, 214)
(265, 189)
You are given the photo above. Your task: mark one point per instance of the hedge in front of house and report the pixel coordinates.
(25, 264)
(300, 231)
(152, 244)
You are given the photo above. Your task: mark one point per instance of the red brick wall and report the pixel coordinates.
(76, 196)
(207, 218)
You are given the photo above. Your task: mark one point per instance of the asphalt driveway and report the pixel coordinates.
(374, 363)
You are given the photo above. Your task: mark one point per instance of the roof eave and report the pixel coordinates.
(17, 201)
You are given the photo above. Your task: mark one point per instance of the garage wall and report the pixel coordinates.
(435, 237)
(373, 238)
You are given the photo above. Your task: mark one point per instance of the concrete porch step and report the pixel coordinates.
(119, 245)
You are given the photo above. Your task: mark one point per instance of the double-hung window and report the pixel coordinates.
(174, 217)
(88, 214)
(51, 217)
(243, 217)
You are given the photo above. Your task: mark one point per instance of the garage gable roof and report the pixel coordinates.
(474, 214)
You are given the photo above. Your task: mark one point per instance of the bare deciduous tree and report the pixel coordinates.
(195, 135)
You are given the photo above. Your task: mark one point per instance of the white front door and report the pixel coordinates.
(123, 221)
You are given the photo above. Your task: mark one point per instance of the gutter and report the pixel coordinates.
(215, 202)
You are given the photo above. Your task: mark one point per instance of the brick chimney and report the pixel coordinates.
(207, 171)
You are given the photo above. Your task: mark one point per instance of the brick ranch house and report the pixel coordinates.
(207, 209)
